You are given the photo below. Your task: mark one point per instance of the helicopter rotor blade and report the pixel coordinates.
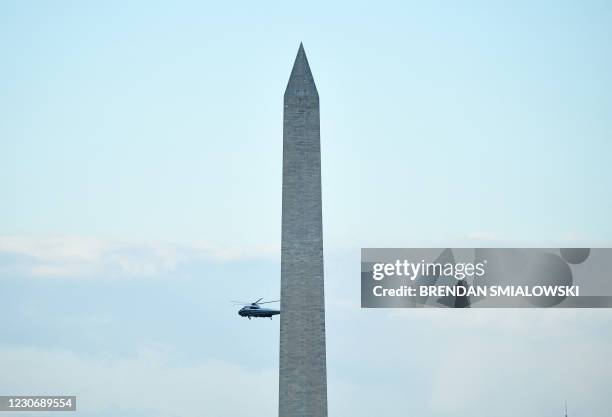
(239, 302)
(257, 302)
(268, 302)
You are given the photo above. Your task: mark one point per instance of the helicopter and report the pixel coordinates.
(254, 309)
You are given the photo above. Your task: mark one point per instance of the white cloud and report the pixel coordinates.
(501, 362)
(88, 257)
(146, 382)
(523, 362)
(386, 362)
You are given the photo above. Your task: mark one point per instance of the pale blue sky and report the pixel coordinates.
(140, 169)
(155, 120)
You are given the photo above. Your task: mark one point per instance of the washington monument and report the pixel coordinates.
(302, 373)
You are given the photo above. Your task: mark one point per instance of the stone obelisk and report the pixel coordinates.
(302, 373)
